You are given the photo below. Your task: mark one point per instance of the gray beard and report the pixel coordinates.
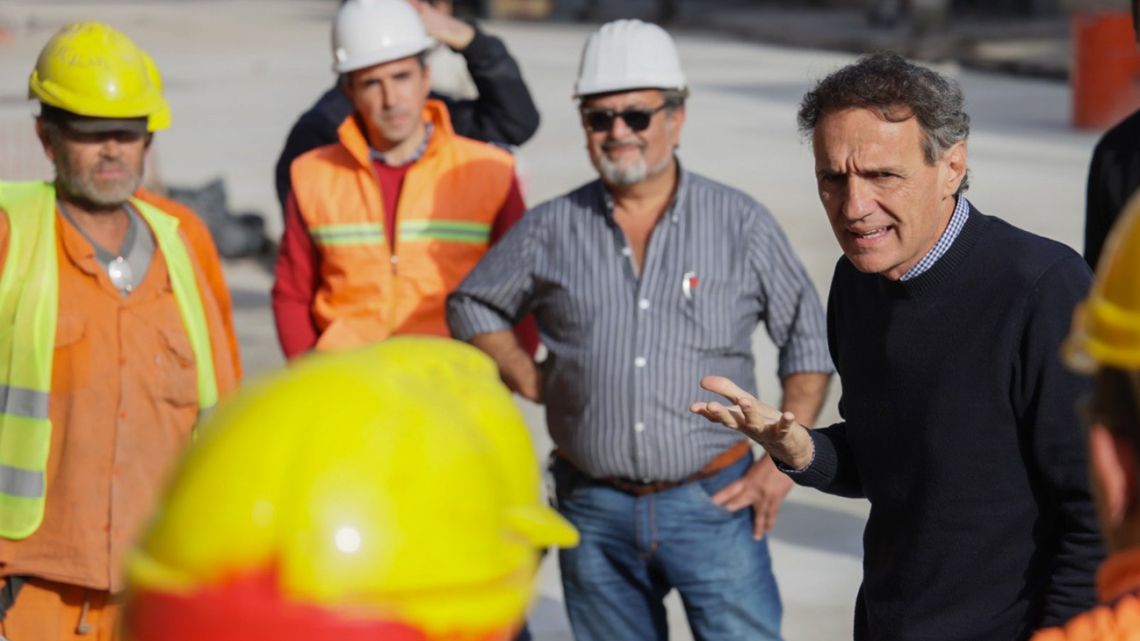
(629, 175)
(82, 190)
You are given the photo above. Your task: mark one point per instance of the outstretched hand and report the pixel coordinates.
(760, 422)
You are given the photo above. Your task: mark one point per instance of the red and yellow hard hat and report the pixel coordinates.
(386, 493)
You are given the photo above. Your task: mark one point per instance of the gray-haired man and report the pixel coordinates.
(945, 326)
(641, 282)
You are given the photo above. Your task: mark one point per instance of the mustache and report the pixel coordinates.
(112, 164)
(610, 145)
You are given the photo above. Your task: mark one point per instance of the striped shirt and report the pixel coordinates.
(626, 352)
(957, 220)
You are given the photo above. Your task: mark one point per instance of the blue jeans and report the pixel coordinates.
(635, 549)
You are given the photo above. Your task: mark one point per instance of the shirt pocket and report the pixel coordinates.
(710, 312)
(69, 330)
(177, 372)
(74, 365)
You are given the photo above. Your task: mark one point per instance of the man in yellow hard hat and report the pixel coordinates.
(115, 342)
(1105, 342)
(385, 494)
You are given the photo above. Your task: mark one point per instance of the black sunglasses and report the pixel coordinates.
(598, 120)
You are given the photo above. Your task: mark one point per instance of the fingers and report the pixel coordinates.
(758, 414)
(741, 501)
(760, 523)
(764, 518)
(787, 420)
(718, 413)
(724, 387)
(728, 493)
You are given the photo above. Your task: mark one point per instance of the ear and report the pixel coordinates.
(41, 133)
(1113, 463)
(954, 159)
(344, 81)
(148, 140)
(676, 122)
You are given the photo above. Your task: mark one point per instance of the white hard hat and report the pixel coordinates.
(628, 54)
(371, 32)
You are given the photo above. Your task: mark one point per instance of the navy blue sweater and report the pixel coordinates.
(960, 429)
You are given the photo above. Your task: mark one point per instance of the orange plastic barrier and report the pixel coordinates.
(1105, 77)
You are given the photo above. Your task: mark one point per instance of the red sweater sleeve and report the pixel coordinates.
(295, 285)
(512, 211)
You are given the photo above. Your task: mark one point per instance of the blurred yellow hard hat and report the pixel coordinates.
(396, 483)
(1106, 326)
(90, 69)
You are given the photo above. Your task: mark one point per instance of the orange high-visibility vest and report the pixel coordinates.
(447, 205)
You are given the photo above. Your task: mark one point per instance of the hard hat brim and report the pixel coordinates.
(586, 90)
(542, 526)
(383, 55)
(92, 124)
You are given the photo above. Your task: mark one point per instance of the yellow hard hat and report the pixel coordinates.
(90, 69)
(1106, 326)
(395, 483)
(160, 118)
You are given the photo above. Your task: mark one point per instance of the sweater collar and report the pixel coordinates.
(944, 269)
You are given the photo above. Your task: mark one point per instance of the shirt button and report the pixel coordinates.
(639, 361)
(626, 251)
(643, 303)
(639, 427)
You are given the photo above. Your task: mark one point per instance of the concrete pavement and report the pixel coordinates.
(238, 72)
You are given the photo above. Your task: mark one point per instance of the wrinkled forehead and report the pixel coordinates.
(865, 138)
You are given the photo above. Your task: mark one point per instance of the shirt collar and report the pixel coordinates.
(957, 221)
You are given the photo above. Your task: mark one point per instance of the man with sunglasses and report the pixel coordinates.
(113, 343)
(641, 281)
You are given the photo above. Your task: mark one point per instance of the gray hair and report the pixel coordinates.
(898, 90)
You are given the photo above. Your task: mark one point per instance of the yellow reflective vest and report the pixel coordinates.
(29, 304)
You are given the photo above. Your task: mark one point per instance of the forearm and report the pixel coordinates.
(295, 285)
(803, 395)
(516, 367)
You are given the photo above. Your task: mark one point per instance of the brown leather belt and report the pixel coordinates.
(721, 461)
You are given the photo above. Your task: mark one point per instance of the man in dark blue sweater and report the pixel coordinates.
(959, 422)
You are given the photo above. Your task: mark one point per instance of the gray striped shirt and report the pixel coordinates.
(626, 352)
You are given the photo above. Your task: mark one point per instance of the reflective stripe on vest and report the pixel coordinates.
(348, 234)
(29, 309)
(455, 231)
